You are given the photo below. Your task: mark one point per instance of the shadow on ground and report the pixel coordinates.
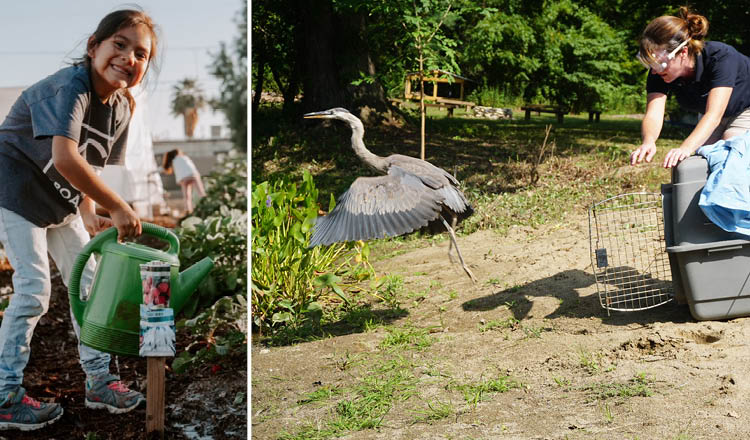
(358, 319)
(565, 287)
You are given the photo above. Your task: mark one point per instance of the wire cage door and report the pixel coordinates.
(628, 252)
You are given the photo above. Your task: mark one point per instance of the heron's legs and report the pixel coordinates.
(454, 220)
(458, 251)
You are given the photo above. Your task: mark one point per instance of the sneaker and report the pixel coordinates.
(107, 392)
(22, 412)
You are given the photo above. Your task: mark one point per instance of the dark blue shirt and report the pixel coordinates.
(63, 104)
(718, 65)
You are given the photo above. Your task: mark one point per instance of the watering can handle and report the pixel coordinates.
(94, 246)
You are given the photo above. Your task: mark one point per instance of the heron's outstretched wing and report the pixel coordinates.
(436, 178)
(378, 207)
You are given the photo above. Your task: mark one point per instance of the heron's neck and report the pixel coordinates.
(373, 160)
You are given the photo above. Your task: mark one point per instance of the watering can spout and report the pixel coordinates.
(187, 281)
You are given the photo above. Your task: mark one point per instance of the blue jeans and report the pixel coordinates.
(26, 246)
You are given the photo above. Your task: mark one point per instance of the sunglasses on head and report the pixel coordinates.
(658, 62)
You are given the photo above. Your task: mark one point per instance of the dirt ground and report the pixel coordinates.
(656, 374)
(200, 404)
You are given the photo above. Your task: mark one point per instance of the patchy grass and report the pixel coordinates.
(638, 385)
(592, 363)
(436, 410)
(499, 324)
(365, 405)
(408, 337)
(321, 394)
(475, 392)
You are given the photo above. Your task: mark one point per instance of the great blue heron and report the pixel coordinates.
(411, 195)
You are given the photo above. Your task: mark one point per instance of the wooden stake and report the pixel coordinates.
(155, 396)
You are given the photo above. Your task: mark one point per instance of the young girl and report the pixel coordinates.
(59, 131)
(711, 78)
(185, 174)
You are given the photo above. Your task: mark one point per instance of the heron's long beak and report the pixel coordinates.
(314, 115)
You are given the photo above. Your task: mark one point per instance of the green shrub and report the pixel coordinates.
(625, 99)
(222, 237)
(226, 186)
(287, 276)
(494, 97)
(217, 229)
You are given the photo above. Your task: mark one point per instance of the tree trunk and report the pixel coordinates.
(190, 117)
(367, 97)
(320, 79)
(260, 70)
(288, 91)
(421, 105)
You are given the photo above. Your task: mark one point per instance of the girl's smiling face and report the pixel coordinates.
(120, 61)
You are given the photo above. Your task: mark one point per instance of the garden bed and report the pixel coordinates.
(206, 403)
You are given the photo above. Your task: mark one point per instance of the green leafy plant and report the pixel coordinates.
(436, 410)
(288, 278)
(218, 230)
(225, 186)
(223, 238)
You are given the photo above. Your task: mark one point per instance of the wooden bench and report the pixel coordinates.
(467, 104)
(558, 111)
(448, 107)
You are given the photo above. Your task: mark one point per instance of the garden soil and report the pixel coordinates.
(199, 405)
(579, 373)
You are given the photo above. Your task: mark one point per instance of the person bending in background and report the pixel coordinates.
(185, 174)
(710, 77)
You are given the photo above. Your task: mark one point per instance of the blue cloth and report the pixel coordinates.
(725, 198)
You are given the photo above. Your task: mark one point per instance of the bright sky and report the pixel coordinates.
(37, 37)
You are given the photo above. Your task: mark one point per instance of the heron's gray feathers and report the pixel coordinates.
(378, 207)
(434, 177)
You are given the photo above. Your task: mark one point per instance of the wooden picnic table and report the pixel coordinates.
(448, 104)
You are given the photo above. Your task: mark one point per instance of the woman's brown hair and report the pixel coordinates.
(667, 32)
(168, 158)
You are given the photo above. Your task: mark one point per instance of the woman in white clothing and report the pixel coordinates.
(186, 175)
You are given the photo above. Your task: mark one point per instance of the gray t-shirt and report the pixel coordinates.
(63, 104)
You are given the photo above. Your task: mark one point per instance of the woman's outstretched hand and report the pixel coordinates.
(675, 156)
(645, 151)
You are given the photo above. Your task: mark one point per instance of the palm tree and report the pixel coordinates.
(187, 99)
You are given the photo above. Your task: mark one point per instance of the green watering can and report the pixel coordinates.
(110, 317)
